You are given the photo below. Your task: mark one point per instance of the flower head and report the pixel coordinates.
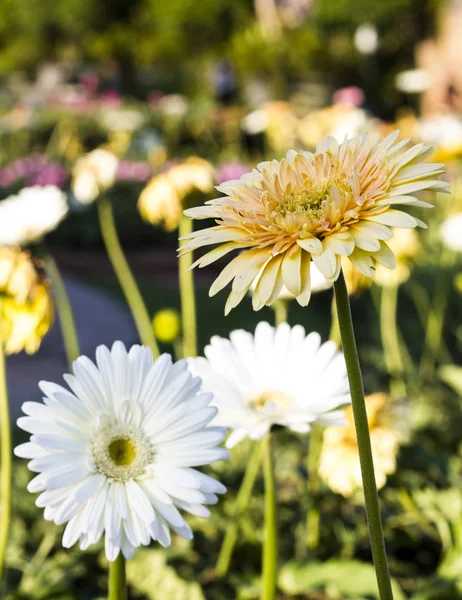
(167, 194)
(167, 325)
(336, 202)
(27, 217)
(93, 174)
(116, 454)
(339, 461)
(27, 308)
(278, 376)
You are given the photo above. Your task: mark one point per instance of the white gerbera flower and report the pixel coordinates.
(28, 216)
(115, 455)
(451, 232)
(278, 376)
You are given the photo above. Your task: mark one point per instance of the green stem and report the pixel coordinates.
(242, 500)
(125, 276)
(188, 298)
(313, 517)
(363, 437)
(117, 579)
(63, 303)
(270, 544)
(6, 457)
(281, 311)
(436, 315)
(390, 338)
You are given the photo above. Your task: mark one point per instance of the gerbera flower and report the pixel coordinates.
(162, 201)
(116, 454)
(27, 307)
(93, 174)
(278, 376)
(336, 202)
(339, 461)
(28, 216)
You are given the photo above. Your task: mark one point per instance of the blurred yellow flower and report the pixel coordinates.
(339, 201)
(405, 245)
(337, 120)
(27, 308)
(164, 198)
(339, 461)
(166, 324)
(93, 174)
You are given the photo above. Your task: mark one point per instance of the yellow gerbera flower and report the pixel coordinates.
(27, 308)
(339, 463)
(336, 202)
(163, 199)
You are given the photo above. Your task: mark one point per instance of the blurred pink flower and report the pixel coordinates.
(34, 170)
(132, 170)
(352, 96)
(231, 170)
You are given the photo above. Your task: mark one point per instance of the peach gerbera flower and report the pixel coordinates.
(336, 202)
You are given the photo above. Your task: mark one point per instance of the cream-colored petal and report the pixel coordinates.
(290, 269)
(305, 271)
(364, 241)
(311, 245)
(363, 262)
(247, 260)
(385, 256)
(405, 200)
(267, 282)
(341, 243)
(326, 263)
(395, 218)
(375, 230)
(215, 254)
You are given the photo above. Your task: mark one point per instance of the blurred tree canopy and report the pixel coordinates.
(171, 42)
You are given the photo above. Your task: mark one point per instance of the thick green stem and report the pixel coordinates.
(125, 276)
(313, 517)
(188, 298)
(281, 311)
(364, 441)
(6, 457)
(390, 338)
(242, 500)
(270, 544)
(117, 579)
(63, 304)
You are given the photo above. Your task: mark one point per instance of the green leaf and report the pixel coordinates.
(348, 578)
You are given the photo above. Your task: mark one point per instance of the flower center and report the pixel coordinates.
(121, 452)
(316, 202)
(270, 402)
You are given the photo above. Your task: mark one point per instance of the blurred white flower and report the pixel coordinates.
(451, 232)
(255, 122)
(122, 119)
(445, 131)
(28, 216)
(115, 455)
(366, 38)
(277, 376)
(413, 81)
(93, 174)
